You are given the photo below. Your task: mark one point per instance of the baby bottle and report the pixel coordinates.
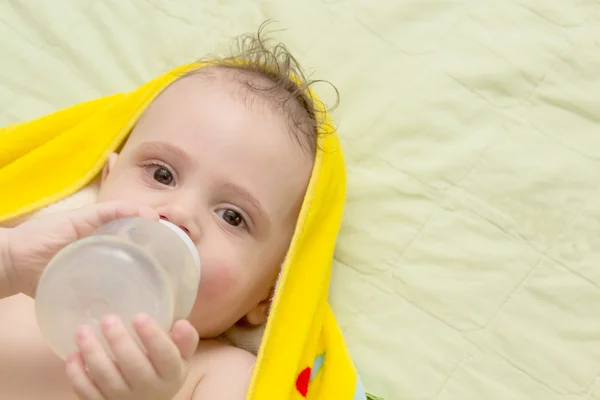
(127, 267)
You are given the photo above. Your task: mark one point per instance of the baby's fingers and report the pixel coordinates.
(99, 366)
(80, 381)
(90, 218)
(185, 338)
(133, 364)
(161, 350)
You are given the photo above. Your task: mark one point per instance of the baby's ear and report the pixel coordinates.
(110, 162)
(259, 314)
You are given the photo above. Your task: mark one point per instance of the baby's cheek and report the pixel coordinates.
(218, 281)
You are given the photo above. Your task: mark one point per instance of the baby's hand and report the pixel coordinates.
(156, 372)
(31, 245)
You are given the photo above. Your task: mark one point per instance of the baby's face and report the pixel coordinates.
(228, 173)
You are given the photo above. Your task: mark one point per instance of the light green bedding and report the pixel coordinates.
(468, 266)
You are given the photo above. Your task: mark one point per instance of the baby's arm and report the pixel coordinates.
(227, 371)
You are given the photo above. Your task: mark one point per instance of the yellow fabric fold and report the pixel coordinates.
(303, 354)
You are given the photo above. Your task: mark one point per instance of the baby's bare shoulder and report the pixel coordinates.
(218, 370)
(218, 352)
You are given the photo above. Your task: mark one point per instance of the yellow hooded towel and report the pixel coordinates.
(302, 355)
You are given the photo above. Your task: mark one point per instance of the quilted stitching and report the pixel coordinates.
(467, 267)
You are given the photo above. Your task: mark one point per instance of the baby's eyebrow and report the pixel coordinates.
(251, 200)
(163, 148)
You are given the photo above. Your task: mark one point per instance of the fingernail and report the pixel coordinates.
(109, 321)
(141, 320)
(83, 333)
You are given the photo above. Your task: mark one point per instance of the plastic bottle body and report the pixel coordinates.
(127, 267)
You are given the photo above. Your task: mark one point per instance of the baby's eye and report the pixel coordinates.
(163, 176)
(232, 217)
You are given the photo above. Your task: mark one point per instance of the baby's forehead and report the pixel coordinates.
(253, 90)
(201, 105)
(203, 90)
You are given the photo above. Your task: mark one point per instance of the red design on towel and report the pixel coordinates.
(302, 381)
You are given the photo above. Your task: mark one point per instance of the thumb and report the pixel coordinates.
(87, 219)
(185, 338)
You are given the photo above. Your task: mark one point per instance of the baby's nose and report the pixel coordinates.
(182, 227)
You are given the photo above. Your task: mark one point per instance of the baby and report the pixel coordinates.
(226, 153)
